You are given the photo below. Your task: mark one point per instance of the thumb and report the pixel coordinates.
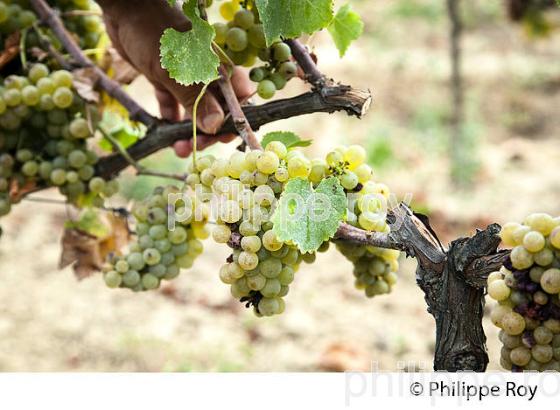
(210, 115)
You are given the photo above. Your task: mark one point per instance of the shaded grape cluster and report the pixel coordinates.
(374, 268)
(242, 38)
(159, 251)
(80, 19)
(526, 289)
(44, 130)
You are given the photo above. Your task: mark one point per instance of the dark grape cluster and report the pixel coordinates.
(243, 40)
(159, 251)
(526, 289)
(81, 21)
(44, 131)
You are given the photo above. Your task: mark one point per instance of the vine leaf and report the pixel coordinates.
(346, 27)
(120, 129)
(308, 217)
(291, 18)
(289, 139)
(188, 56)
(88, 240)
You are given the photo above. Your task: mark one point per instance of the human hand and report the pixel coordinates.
(135, 28)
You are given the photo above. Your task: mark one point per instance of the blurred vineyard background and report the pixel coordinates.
(503, 169)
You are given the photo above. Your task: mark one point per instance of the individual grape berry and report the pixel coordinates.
(63, 97)
(257, 74)
(278, 80)
(228, 9)
(112, 279)
(62, 79)
(221, 30)
(38, 72)
(244, 18)
(281, 52)
(266, 89)
(287, 70)
(256, 37)
(236, 39)
(79, 128)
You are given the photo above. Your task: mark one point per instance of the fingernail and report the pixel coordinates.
(211, 123)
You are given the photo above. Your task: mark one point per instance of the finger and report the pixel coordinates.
(168, 105)
(241, 83)
(184, 148)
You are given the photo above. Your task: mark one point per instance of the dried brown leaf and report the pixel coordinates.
(86, 252)
(81, 250)
(18, 191)
(11, 48)
(120, 70)
(85, 80)
(120, 235)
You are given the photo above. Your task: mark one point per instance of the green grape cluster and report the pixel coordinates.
(527, 289)
(243, 40)
(87, 28)
(245, 188)
(158, 253)
(374, 268)
(85, 25)
(43, 138)
(14, 16)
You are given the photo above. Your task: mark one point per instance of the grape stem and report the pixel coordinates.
(307, 64)
(240, 121)
(22, 51)
(195, 110)
(48, 16)
(46, 44)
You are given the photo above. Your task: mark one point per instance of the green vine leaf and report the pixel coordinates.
(188, 56)
(309, 217)
(289, 139)
(291, 18)
(346, 27)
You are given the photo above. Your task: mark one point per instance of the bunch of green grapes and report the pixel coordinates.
(243, 40)
(374, 268)
(14, 17)
(159, 253)
(43, 138)
(526, 288)
(86, 26)
(244, 190)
